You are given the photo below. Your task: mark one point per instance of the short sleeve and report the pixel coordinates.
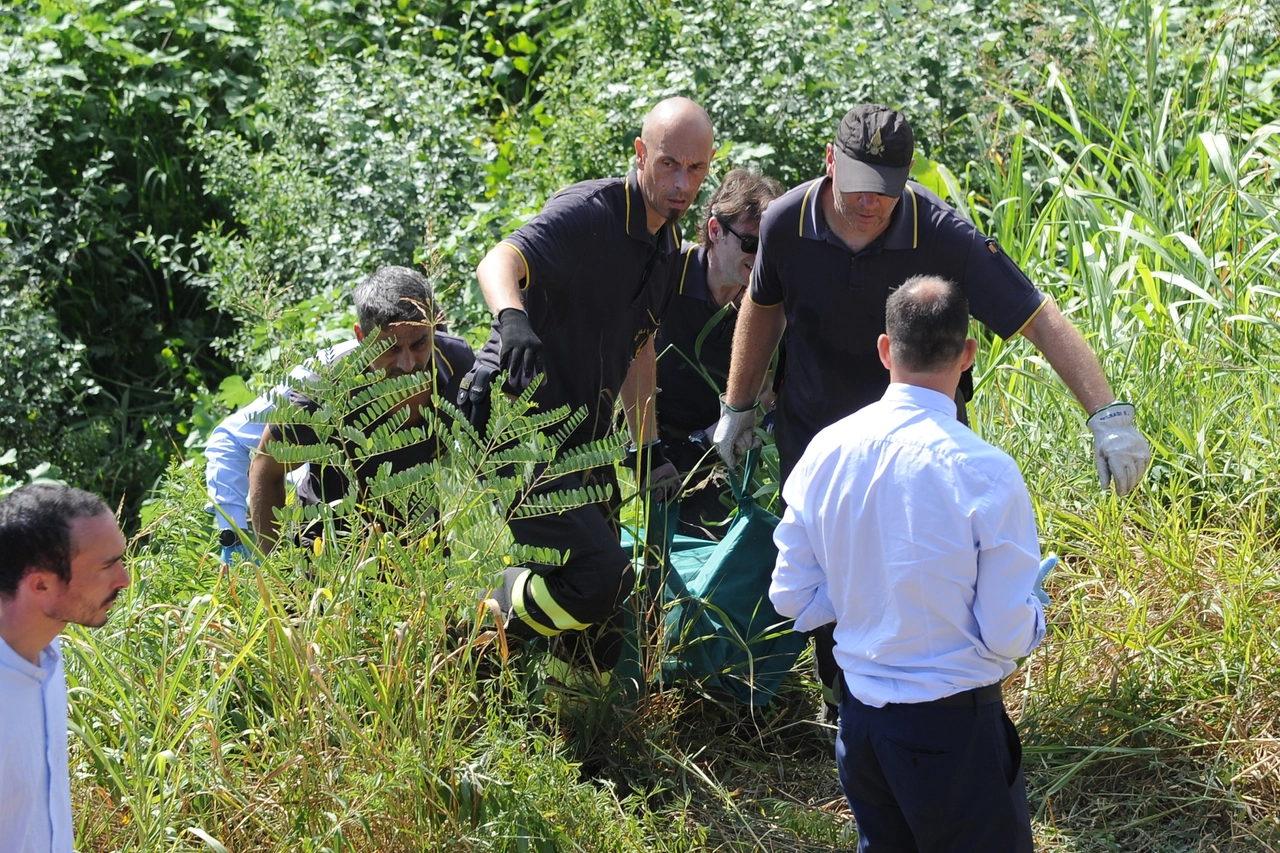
(765, 289)
(1001, 297)
(555, 241)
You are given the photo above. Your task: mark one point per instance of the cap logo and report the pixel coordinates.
(876, 146)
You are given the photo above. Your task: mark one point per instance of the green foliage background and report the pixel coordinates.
(188, 190)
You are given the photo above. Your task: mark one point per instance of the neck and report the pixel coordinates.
(724, 289)
(26, 632)
(855, 240)
(945, 383)
(653, 222)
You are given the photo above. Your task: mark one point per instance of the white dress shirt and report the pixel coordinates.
(35, 786)
(232, 442)
(918, 539)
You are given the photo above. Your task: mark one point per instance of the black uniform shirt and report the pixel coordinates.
(688, 401)
(598, 284)
(324, 483)
(834, 299)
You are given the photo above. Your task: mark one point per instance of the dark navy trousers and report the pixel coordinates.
(934, 778)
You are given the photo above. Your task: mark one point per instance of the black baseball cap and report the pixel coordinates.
(873, 151)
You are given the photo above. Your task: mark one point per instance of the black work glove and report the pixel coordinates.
(473, 397)
(521, 354)
(654, 474)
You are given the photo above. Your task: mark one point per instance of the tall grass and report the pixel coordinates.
(316, 702)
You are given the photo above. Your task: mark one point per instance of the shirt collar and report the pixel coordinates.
(49, 657)
(904, 225)
(693, 272)
(925, 398)
(637, 219)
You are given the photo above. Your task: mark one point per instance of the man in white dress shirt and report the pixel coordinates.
(919, 541)
(61, 555)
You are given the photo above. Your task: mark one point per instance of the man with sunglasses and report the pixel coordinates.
(831, 251)
(577, 294)
(696, 336)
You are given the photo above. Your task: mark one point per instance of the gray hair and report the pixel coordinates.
(393, 295)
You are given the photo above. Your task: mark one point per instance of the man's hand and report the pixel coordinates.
(473, 397)
(1046, 566)
(735, 434)
(1119, 449)
(654, 474)
(521, 354)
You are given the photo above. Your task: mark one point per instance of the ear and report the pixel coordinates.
(714, 232)
(359, 332)
(39, 583)
(641, 151)
(970, 352)
(831, 161)
(882, 347)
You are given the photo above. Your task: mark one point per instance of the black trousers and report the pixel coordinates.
(936, 777)
(579, 599)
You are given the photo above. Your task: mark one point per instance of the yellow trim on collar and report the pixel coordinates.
(626, 191)
(915, 218)
(684, 273)
(804, 206)
(1034, 314)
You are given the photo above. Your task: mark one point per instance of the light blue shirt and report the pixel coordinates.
(919, 540)
(35, 786)
(232, 442)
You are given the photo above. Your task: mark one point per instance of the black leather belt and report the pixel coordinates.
(975, 698)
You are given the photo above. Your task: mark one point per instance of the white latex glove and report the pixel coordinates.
(1119, 449)
(735, 434)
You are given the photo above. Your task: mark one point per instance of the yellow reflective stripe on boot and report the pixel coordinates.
(537, 587)
(521, 611)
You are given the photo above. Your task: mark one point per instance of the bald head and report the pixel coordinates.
(673, 155)
(673, 113)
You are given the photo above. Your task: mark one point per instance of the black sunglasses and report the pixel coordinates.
(750, 242)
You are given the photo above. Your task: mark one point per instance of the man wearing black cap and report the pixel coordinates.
(831, 251)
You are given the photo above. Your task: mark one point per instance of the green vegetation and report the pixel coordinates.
(190, 188)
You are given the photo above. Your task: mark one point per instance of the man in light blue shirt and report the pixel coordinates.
(918, 540)
(61, 555)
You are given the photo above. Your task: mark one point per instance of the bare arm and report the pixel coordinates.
(266, 493)
(1066, 351)
(499, 274)
(755, 337)
(639, 390)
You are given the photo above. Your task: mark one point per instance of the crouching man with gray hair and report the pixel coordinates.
(918, 540)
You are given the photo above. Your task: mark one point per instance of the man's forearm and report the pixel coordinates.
(1067, 353)
(755, 337)
(639, 391)
(266, 495)
(499, 274)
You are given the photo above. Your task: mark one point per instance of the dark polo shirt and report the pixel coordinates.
(693, 349)
(834, 299)
(597, 286)
(324, 483)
